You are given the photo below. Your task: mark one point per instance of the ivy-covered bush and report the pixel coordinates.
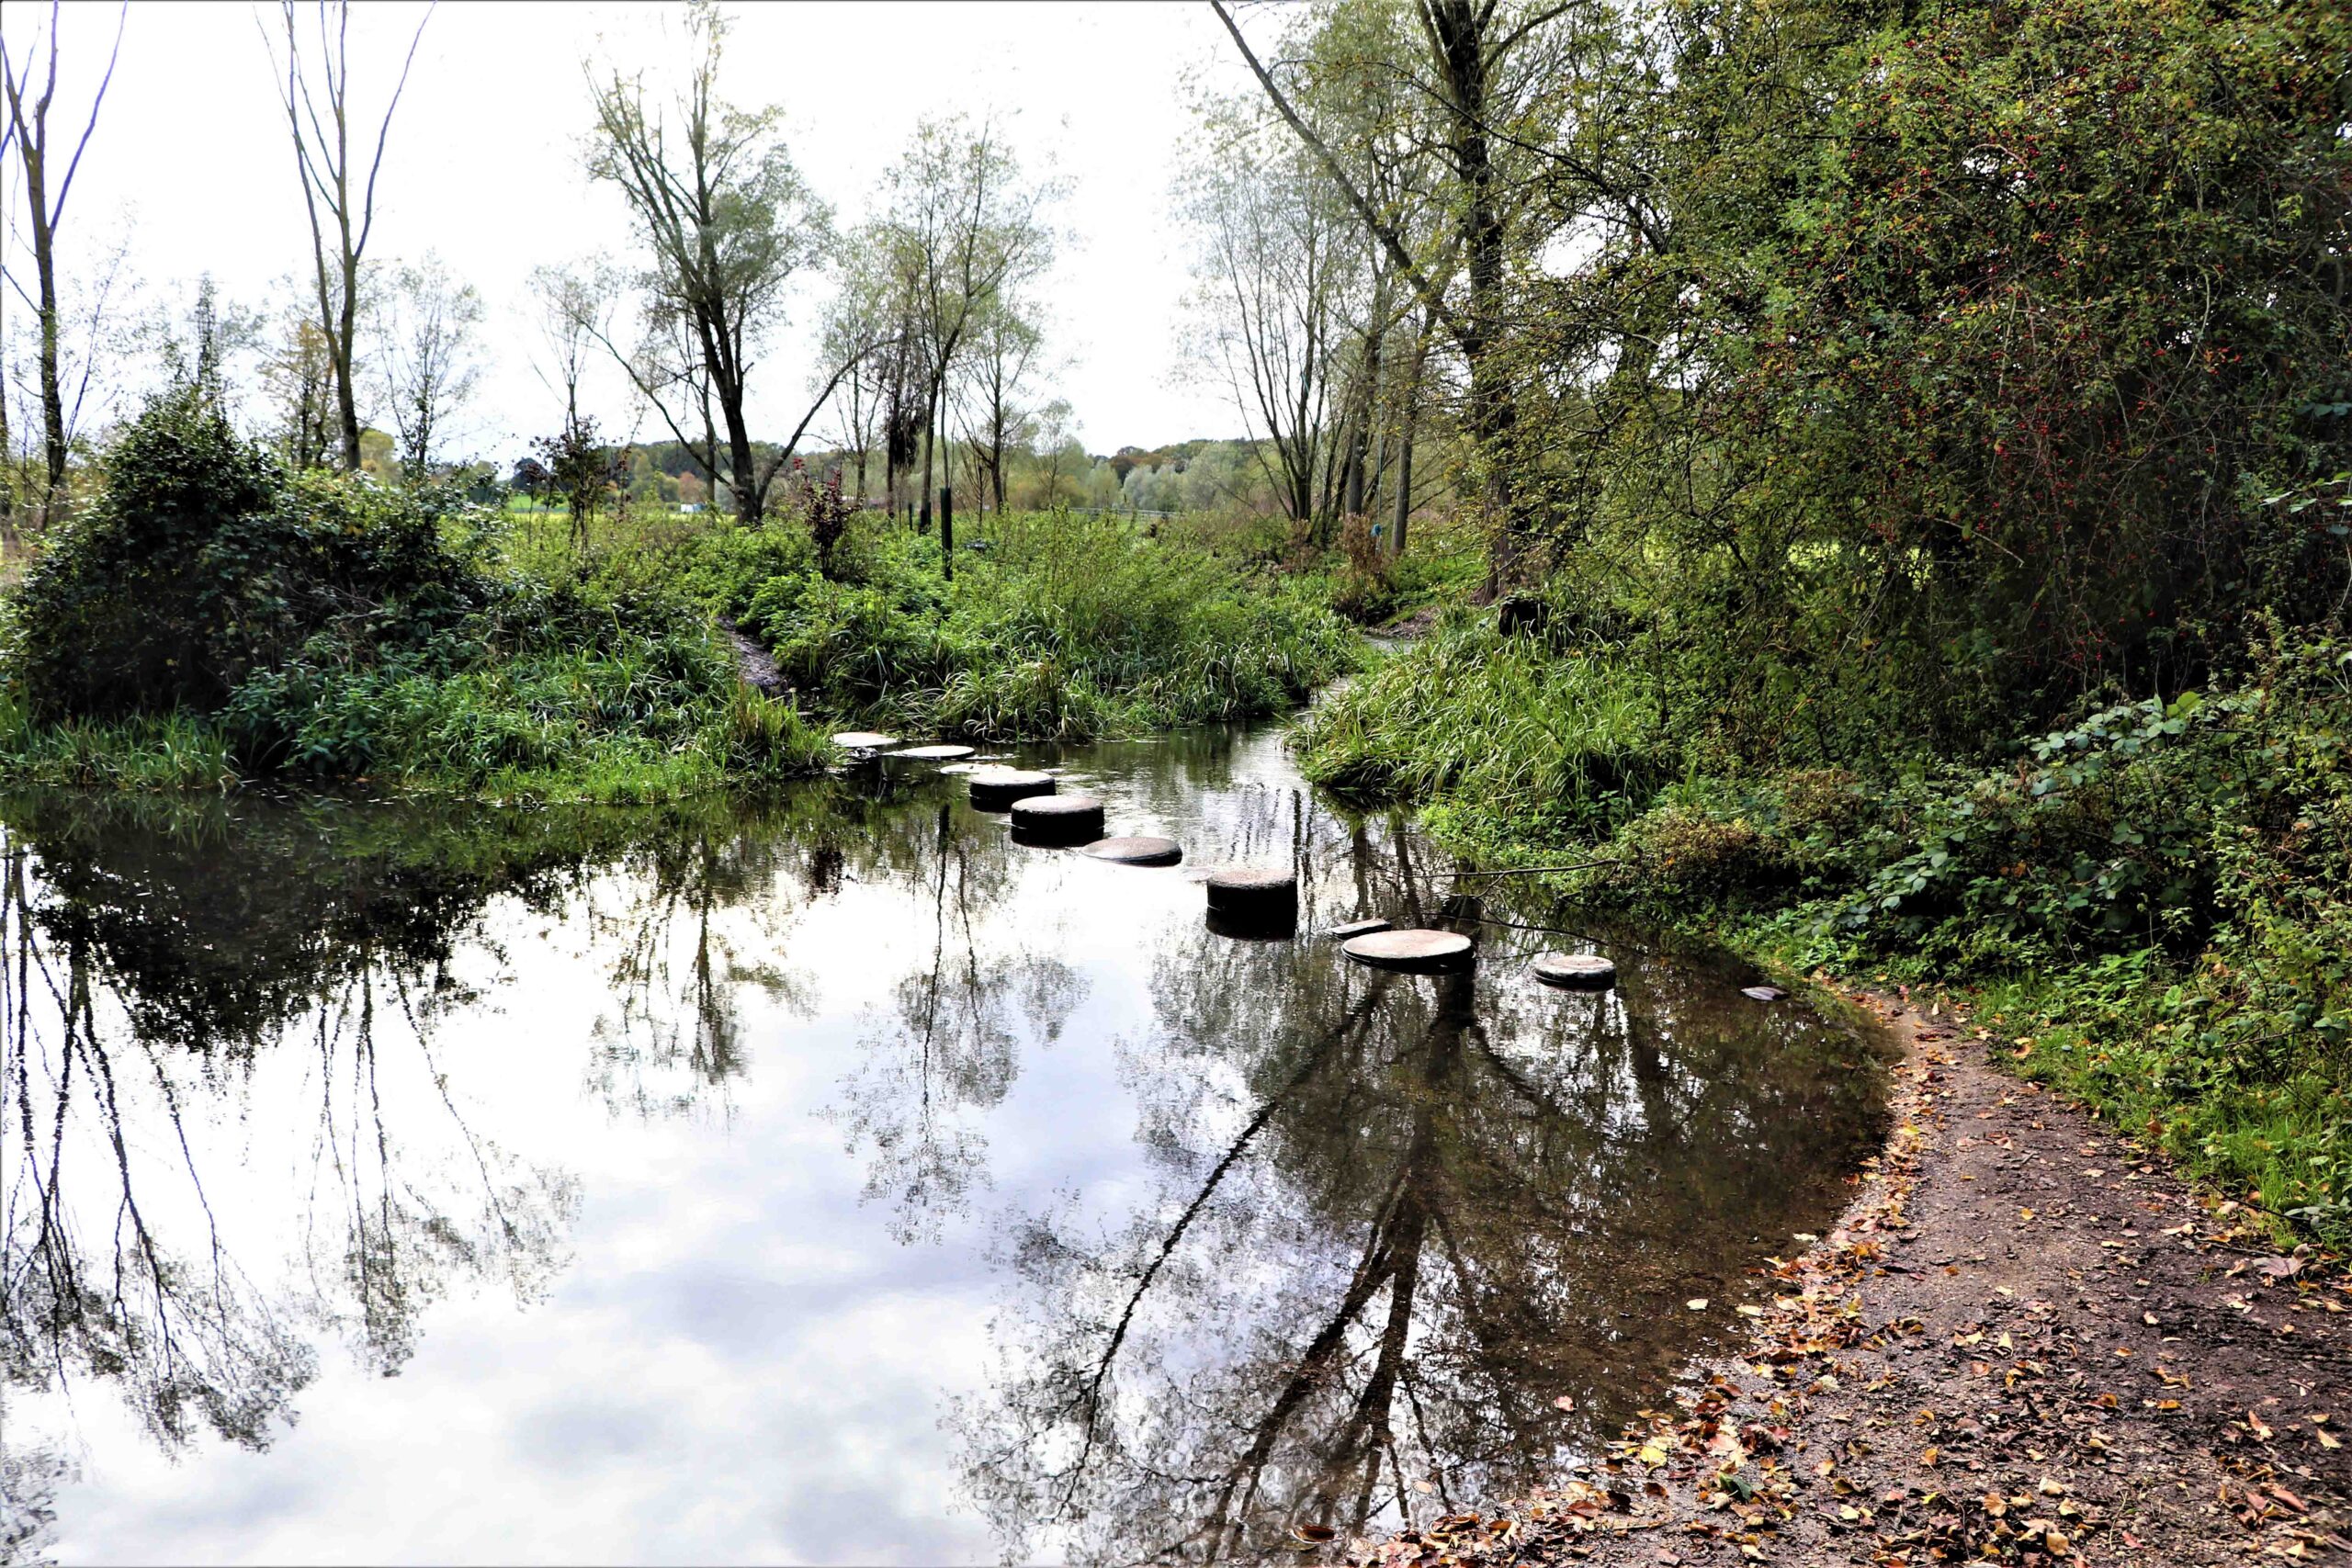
(204, 562)
(215, 617)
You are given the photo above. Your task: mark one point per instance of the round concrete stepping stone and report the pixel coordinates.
(1414, 951)
(1252, 928)
(995, 789)
(1058, 819)
(930, 753)
(1762, 993)
(1576, 971)
(1253, 893)
(1358, 927)
(1140, 851)
(864, 740)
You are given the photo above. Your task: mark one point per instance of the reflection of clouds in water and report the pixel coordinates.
(1398, 1218)
(541, 1141)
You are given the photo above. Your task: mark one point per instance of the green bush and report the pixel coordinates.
(214, 619)
(2163, 888)
(1064, 627)
(203, 563)
(1551, 745)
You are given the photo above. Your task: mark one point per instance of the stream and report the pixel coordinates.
(832, 1180)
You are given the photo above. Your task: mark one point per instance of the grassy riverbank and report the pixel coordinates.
(214, 621)
(2150, 896)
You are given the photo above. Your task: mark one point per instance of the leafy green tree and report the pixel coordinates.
(727, 222)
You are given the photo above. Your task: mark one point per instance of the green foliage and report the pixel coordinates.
(215, 619)
(1064, 627)
(2163, 884)
(1974, 360)
(1554, 745)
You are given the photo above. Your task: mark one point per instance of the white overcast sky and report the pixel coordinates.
(191, 159)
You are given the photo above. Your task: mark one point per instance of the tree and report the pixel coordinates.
(580, 468)
(1278, 275)
(316, 97)
(1475, 94)
(199, 344)
(867, 326)
(966, 229)
(729, 223)
(575, 306)
(1006, 348)
(1057, 447)
(426, 330)
(299, 380)
(531, 476)
(45, 214)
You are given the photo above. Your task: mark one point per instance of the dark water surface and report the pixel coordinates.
(836, 1180)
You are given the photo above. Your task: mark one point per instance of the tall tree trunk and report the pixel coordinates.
(1408, 417)
(750, 498)
(930, 436)
(1458, 28)
(346, 390)
(52, 396)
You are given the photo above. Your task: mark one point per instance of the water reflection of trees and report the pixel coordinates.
(1399, 1220)
(949, 1049)
(157, 957)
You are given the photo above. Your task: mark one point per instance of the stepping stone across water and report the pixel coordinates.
(930, 753)
(1252, 890)
(1414, 951)
(1358, 927)
(1058, 819)
(1251, 899)
(995, 789)
(1137, 851)
(864, 740)
(1575, 971)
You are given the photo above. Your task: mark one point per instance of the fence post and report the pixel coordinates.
(947, 531)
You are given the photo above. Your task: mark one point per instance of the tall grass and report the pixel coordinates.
(160, 751)
(1471, 714)
(1066, 627)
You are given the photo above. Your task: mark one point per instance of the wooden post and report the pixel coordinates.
(947, 531)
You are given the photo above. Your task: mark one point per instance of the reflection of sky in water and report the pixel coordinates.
(817, 1300)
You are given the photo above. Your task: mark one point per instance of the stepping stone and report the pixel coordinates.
(1137, 851)
(995, 789)
(1413, 952)
(1263, 899)
(1251, 928)
(1763, 993)
(864, 740)
(1358, 927)
(930, 754)
(1058, 819)
(1576, 971)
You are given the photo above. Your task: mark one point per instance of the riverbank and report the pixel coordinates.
(2027, 1340)
(214, 620)
(2151, 894)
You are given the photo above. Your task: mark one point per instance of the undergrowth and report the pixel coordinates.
(214, 619)
(1062, 628)
(2156, 896)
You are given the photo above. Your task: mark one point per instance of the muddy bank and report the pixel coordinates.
(2026, 1342)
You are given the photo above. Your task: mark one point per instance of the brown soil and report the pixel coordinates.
(2027, 1342)
(1412, 628)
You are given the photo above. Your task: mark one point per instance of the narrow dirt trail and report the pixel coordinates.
(2026, 1342)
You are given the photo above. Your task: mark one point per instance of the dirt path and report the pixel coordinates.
(2025, 1343)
